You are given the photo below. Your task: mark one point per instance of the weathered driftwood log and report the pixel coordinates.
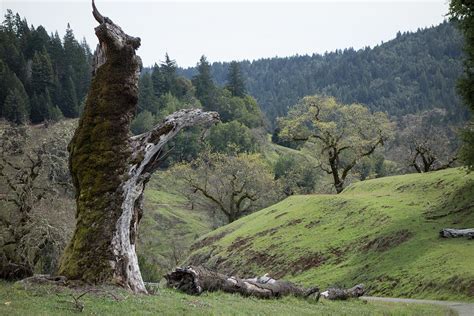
(344, 294)
(454, 233)
(196, 279)
(110, 168)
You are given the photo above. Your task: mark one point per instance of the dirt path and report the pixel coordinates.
(462, 308)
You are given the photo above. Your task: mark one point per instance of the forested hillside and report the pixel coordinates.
(42, 77)
(413, 72)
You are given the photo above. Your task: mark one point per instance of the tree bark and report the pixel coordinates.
(110, 168)
(196, 279)
(454, 233)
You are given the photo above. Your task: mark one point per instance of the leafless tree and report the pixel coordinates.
(235, 185)
(29, 241)
(426, 141)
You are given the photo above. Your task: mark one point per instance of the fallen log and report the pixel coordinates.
(455, 233)
(196, 279)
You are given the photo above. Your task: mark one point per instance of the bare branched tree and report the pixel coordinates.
(29, 241)
(426, 142)
(235, 185)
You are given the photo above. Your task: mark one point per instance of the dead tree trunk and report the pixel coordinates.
(196, 279)
(454, 233)
(110, 169)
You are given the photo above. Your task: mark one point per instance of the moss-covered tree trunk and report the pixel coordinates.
(110, 168)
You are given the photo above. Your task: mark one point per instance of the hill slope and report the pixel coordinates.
(382, 232)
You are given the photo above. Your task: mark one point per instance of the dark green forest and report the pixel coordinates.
(42, 77)
(411, 73)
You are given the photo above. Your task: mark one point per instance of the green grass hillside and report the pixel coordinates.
(168, 227)
(381, 232)
(46, 300)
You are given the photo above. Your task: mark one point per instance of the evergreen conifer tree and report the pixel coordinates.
(235, 81)
(69, 105)
(146, 96)
(41, 72)
(204, 84)
(157, 78)
(15, 107)
(168, 71)
(39, 108)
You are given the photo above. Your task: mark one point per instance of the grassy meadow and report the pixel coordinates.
(382, 232)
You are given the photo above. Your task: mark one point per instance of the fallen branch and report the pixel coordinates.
(44, 279)
(344, 294)
(196, 279)
(78, 305)
(455, 233)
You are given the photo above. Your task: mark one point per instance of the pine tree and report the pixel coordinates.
(39, 109)
(5, 74)
(56, 53)
(11, 85)
(235, 81)
(168, 71)
(15, 107)
(78, 57)
(146, 96)
(70, 44)
(39, 40)
(204, 84)
(69, 105)
(41, 73)
(158, 81)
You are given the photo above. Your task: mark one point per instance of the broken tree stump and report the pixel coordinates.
(455, 233)
(196, 279)
(110, 168)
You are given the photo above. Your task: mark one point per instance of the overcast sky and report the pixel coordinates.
(237, 30)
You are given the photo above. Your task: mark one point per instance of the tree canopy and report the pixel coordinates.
(342, 134)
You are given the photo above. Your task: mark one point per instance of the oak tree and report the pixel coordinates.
(342, 134)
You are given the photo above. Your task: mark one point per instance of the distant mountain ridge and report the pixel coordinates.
(414, 71)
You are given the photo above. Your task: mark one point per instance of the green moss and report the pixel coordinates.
(99, 160)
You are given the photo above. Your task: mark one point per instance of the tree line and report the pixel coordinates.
(42, 77)
(415, 71)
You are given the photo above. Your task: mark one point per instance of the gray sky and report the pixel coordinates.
(237, 30)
